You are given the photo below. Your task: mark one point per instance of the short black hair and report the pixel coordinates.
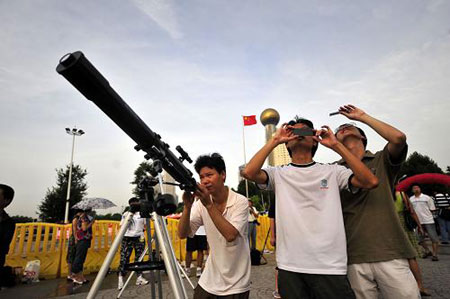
(308, 123)
(8, 192)
(416, 184)
(213, 160)
(133, 199)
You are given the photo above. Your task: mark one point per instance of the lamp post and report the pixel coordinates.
(74, 132)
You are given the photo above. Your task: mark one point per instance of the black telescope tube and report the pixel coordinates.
(77, 69)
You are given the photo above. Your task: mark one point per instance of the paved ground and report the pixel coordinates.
(436, 277)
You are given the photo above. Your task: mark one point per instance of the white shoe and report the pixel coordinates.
(140, 281)
(188, 272)
(120, 283)
(199, 272)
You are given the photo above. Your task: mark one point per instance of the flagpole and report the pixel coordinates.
(245, 159)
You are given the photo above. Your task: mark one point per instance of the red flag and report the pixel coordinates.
(249, 120)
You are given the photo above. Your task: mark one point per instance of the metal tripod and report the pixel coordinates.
(165, 247)
(141, 258)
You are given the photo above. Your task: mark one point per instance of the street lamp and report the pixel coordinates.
(74, 132)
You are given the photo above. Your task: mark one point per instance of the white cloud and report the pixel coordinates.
(163, 13)
(235, 58)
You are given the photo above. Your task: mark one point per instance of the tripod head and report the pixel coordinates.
(163, 204)
(78, 70)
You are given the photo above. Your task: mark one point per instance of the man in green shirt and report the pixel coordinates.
(378, 248)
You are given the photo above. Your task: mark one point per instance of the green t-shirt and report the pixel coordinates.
(398, 202)
(372, 226)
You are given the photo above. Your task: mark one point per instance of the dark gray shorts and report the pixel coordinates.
(293, 285)
(200, 293)
(198, 242)
(430, 228)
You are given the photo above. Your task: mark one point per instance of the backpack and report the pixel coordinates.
(257, 258)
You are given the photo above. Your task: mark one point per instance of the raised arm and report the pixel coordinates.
(396, 139)
(252, 170)
(362, 176)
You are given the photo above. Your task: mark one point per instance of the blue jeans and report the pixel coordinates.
(444, 225)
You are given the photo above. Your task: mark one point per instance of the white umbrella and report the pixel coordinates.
(94, 203)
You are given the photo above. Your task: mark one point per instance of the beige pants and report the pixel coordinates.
(392, 279)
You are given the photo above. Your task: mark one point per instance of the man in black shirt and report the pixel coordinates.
(7, 227)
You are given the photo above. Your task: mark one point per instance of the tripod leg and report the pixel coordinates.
(109, 257)
(148, 230)
(158, 272)
(170, 261)
(185, 275)
(132, 273)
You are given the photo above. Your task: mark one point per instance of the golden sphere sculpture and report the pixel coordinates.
(270, 117)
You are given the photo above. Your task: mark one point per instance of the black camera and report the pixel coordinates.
(305, 131)
(163, 204)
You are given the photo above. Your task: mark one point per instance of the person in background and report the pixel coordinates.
(7, 227)
(443, 218)
(273, 233)
(83, 235)
(72, 245)
(133, 239)
(198, 243)
(403, 206)
(252, 224)
(424, 207)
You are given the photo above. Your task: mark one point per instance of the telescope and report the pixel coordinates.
(80, 72)
(77, 69)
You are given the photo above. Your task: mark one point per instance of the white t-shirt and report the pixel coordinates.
(201, 231)
(137, 225)
(227, 270)
(310, 226)
(423, 205)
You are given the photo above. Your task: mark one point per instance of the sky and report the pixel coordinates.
(192, 69)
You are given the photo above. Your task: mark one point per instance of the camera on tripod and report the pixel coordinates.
(162, 204)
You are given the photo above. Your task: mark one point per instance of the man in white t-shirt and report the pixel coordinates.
(310, 237)
(424, 206)
(133, 239)
(224, 213)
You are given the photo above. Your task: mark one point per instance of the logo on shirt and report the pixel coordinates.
(324, 184)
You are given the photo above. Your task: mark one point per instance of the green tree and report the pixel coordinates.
(52, 207)
(139, 173)
(259, 197)
(252, 189)
(418, 164)
(109, 216)
(22, 219)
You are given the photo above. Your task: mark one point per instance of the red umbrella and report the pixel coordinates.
(424, 178)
